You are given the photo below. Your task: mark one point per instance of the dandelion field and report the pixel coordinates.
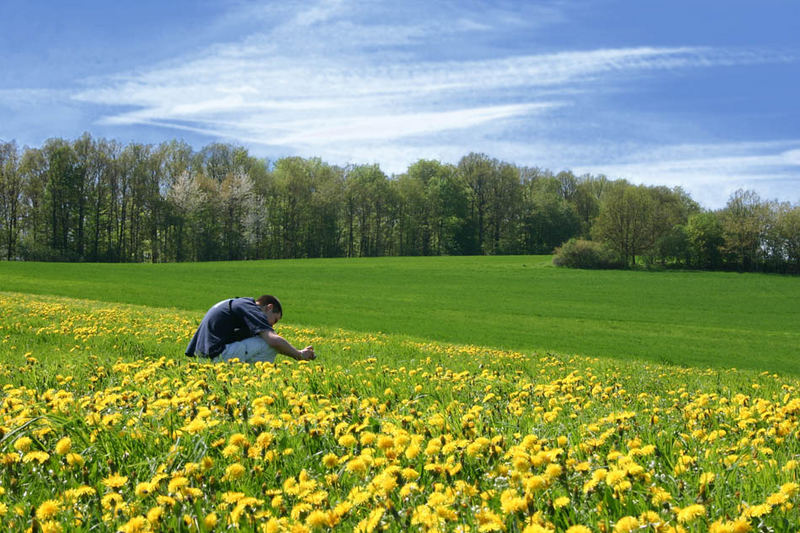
(105, 426)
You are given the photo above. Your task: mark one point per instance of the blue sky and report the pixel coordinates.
(697, 94)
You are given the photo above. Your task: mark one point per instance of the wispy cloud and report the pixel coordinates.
(309, 101)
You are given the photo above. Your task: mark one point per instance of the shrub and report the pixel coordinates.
(578, 253)
(33, 251)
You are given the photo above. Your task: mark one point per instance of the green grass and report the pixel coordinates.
(682, 318)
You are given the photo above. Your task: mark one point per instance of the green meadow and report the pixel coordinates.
(697, 319)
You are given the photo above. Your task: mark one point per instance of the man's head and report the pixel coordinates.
(271, 307)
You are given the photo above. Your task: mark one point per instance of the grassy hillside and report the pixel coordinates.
(522, 303)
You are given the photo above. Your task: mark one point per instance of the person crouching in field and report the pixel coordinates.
(241, 328)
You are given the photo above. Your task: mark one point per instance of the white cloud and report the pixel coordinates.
(319, 132)
(301, 101)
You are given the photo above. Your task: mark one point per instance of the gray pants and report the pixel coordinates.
(250, 350)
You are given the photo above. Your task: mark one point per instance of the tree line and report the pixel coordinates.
(99, 200)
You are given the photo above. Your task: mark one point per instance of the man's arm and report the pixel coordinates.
(283, 346)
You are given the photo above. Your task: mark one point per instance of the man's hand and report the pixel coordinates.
(283, 346)
(307, 354)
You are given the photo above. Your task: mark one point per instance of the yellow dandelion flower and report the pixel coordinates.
(357, 465)
(10, 459)
(385, 442)
(511, 502)
(299, 510)
(779, 498)
(487, 520)
(358, 496)
(578, 529)
(37, 456)
(192, 492)
(51, 527)
(369, 524)
(347, 440)
(614, 477)
(413, 451)
(64, 446)
(137, 524)
(23, 444)
(660, 496)
(706, 478)
(650, 518)
(317, 519)
(407, 489)
(231, 497)
(77, 493)
(757, 510)
(644, 451)
(273, 525)
(530, 528)
(75, 459)
(731, 526)
(613, 455)
(626, 524)
(238, 439)
(47, 509)
(790, 489)
(210, 521)
(330, 460)
(553, 471)
(144, 488)
(234, 471)
(535, 483)
(231, 450)
(582, 466)
(368, 438)
(162, 499)
(386, 483)
(264, 439)
(409, 474)
(155, 514)
(195, 426)
(599, 475)
(721, 526)
(691, 513)
(111, 500)
(115, 481)
(560, 502)
(741, 526)
(177, 483)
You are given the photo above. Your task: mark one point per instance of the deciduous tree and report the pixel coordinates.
(625, 220)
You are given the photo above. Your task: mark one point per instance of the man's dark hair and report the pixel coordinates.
(269, 299)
